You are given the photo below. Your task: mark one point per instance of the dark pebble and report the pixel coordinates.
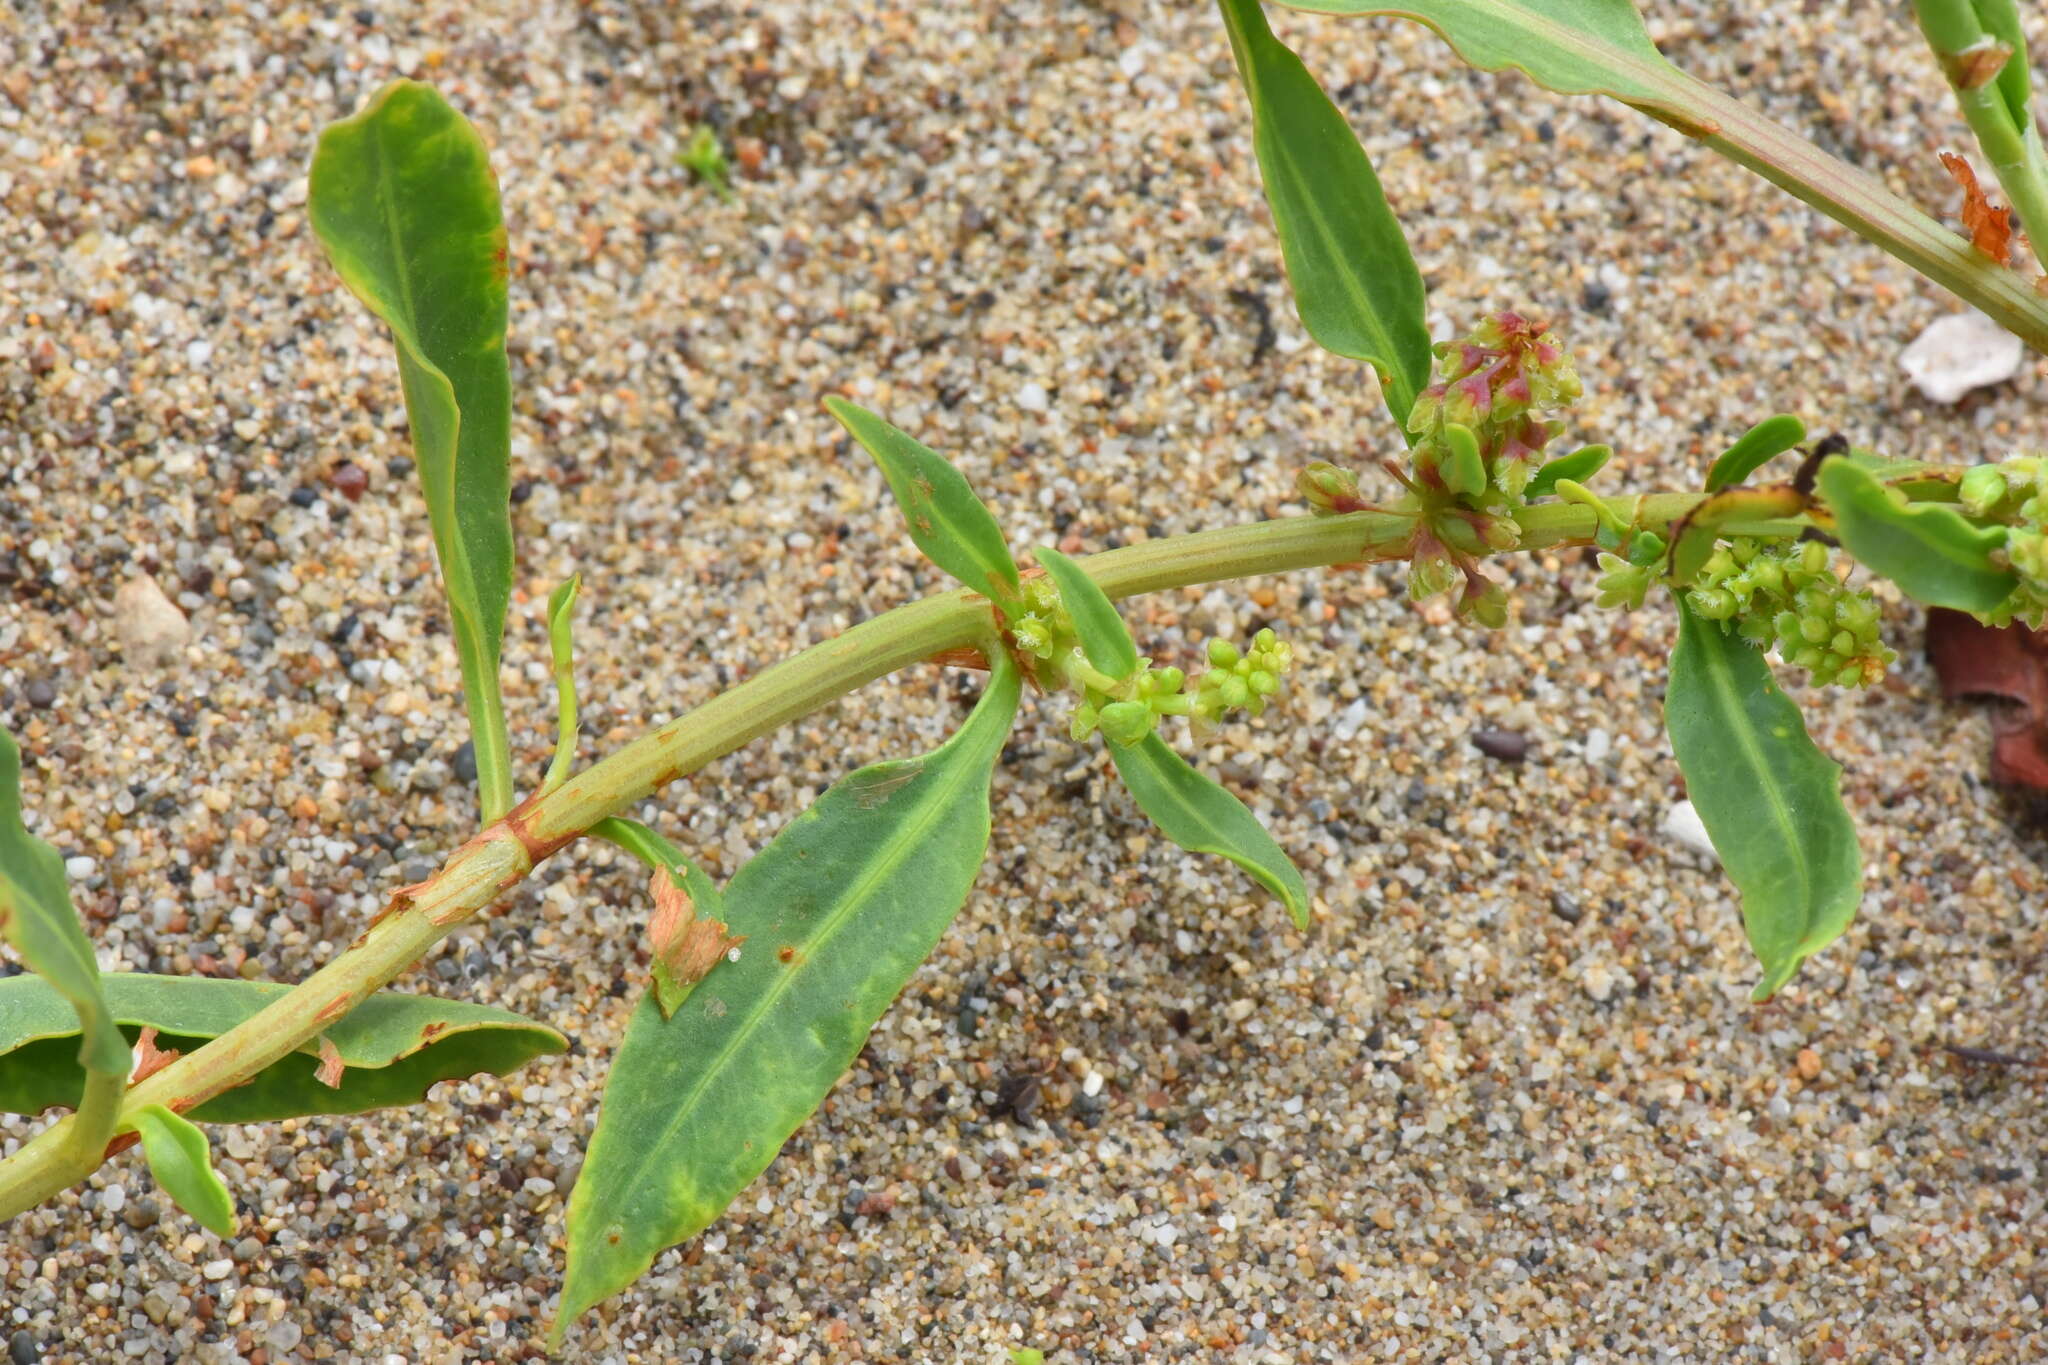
(140, 1213)
(1596, 297)
(464, 762)
(1509, 746)
(1566, 907)
(40, 694)
(304, 497)
(22, 1349)
(349, 480)
(398, 466)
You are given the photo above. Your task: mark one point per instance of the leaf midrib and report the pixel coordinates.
(1721, 679)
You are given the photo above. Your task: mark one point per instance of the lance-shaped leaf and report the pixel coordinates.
(403, 198)
(182, 1163)
(837, 912)
(1580, 465)
(950, 524)
(37, 918)
(1770, 799)
(1928, 549)
(1105, 639)
(1354, 281)
(1600, 47)
(393, 1047)
(1754, 449)
(1202, 817)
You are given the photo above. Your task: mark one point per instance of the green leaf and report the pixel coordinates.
(403, 198)
(1465, 470)
(838, 912)
(37, 918)
(1580, 465)
(1756, 447)
(562, 651)
(1105, 639)
(1354, 281)
(1928, 549)
(183, 1167)
(2001, 19)
(1575, 47)
(1202, 817)
(393, 1047)
(950, 524)
(1769, 798)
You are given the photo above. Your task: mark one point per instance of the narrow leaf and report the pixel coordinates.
(1354, 280)
(1928, 549)
(948, 522)
(403, 198)
(183, 1166)
(562, 651)
(1105, 639)
(393, 1047)
(838, 912)
(1580, 465)
(1754, 449)
(1769, 798)
(37, 918)
(1202, 817)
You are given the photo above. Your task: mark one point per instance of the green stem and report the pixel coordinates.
(1862, 203)
(482, 870)
(2007, 137)
(487, 733)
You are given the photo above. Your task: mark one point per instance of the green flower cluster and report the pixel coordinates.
(1787, 595)
(1127, 710)
(1241, 678)
(2015, 492)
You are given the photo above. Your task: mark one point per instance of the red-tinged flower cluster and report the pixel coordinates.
(1500, 383)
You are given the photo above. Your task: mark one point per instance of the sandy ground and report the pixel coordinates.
(1506, 1102)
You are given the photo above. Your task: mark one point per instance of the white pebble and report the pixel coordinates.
(218, 1270)
(1960, 352)
(1032, 398)
(81, 867)
(1682, 825)
(1599, 744)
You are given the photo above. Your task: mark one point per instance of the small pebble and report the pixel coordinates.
(40, 694)
(151, 629)
(349, 480)
(22, 1349)
(1509, 746)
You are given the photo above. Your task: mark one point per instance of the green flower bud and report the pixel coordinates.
(1127, 722)
(1082, 723)
(1222, 653)
(1327, 489)
(1981, 489)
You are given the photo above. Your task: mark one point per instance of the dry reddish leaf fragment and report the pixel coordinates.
(685, 947)
(329, 1073)
(1979, 65)
(1990, 227)
(149, 1059)
(1976, 660)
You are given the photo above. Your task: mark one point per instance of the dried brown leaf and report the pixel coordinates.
(329, 1073)
(1990, 227)
(149, 1059)
(685, 947)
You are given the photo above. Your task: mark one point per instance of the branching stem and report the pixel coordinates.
(481, 871)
